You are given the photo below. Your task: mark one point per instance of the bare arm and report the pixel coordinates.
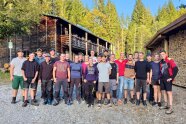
(54, 74)
(11, 72)
(23, 73)
(68, 69)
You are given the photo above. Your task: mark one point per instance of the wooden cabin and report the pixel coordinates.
(58, 33)
(172, 38)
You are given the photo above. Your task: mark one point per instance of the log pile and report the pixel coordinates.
(177, 48)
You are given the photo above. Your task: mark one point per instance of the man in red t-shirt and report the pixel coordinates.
(61, 76)
(121, 62)
(169, 71)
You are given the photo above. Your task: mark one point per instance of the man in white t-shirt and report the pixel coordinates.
(16, 75)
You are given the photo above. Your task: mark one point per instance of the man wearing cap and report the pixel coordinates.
(15, 74)
(30, 70)
(46, 79)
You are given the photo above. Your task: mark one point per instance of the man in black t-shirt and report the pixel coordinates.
(113, 78)
(142, 78)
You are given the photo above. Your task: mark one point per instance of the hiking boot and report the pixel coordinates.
(25, 103)
(144, 103)
(137, 102)
(34, 103)
(13, 100)
(45, 102)
(132, 101)
(56, 102)
(169, 111)
(125, 101)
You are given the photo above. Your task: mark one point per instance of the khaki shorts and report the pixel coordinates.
(106, 85)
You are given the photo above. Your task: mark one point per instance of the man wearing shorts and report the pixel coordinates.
(169, 71)
(104, 69)
(155, 80)
(129, 79)
(16, 75)
(142, 78)
(61, 76)
(113, 79)
(30, 70)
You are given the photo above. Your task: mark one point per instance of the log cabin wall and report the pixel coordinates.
(177, 47)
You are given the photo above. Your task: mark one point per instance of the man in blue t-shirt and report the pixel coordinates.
(155, 80)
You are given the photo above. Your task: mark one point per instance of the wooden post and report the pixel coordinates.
(106, 45)
(46, 28)
(166, 46)
(70, 38)
(55, 34)
(86, 39)
(97, 46)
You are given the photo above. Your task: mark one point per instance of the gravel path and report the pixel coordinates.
(81, 114)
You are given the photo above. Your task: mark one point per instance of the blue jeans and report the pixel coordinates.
(120, 87)
(128, 83)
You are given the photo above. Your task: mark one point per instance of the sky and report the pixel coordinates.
(126, 7)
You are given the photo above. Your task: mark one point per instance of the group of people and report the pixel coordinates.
(101, 80)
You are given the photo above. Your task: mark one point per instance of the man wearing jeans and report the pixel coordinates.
(121, 67)
(46, 79)
(142, 78)
(61, 76)
(129, 79)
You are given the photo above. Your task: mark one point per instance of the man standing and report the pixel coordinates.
(46, 79)
(30, 70)
(129, 79)
(104, 69)
(151, 90)
(61, 76)
(121, 62)
(39, 59)
(142, 78)
(15, 74)
(92, 55)
(155, 80)
(169, 71)
(113, 79)
(76, 75)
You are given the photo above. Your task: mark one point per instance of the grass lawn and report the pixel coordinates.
(4, 78)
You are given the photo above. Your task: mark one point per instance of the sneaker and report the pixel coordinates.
(24, 103)
(13, 100)
(169, 111)
(103, 101)
(144, 103)
(132, 101)
(109, 105)
(159, 104)
(34, 103)
(49, 102)
(99, 105)
(164, 107)
(89, 105)
(137, 102)
(45, 102)
(125, 101)
(79, 101)
(154, 104)
(56, 102)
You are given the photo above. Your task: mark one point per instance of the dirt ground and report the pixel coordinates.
(81, 114)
